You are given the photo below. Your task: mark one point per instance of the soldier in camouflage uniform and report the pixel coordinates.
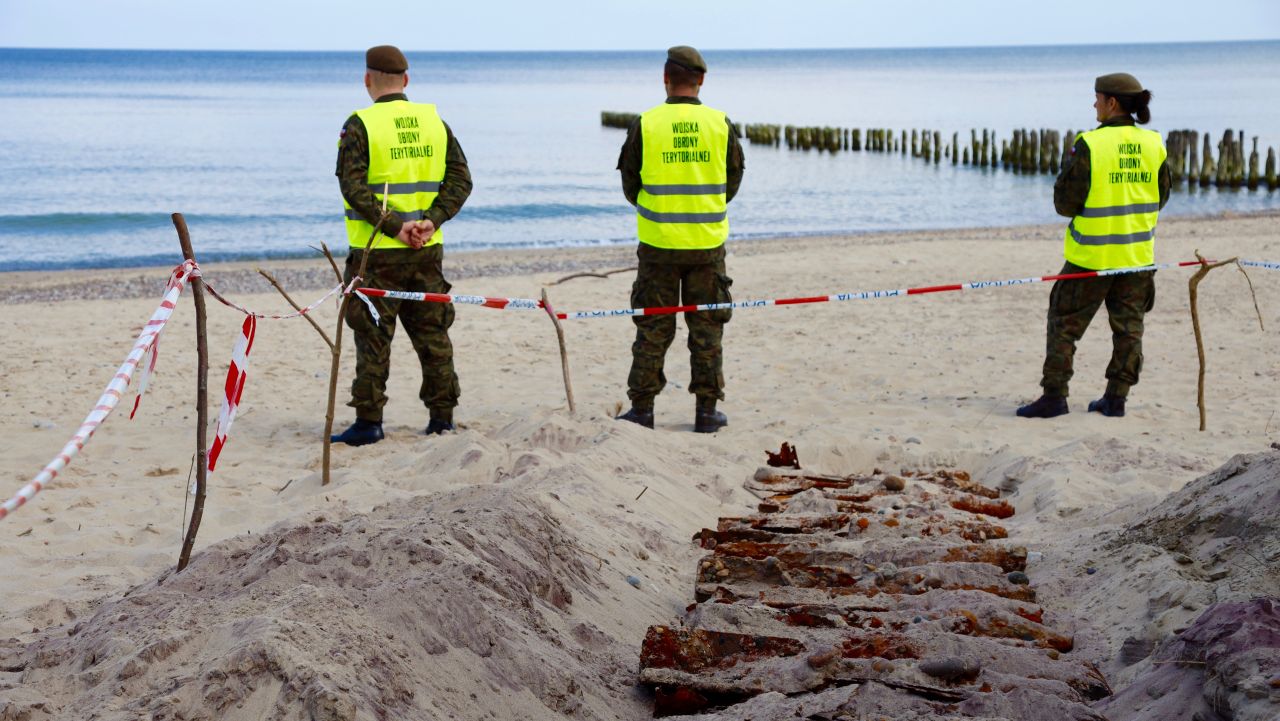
(413, 263)
(669, 276)
(1127, 297)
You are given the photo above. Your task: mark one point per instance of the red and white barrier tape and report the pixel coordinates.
(865, 295)
(233, 388)
(1260, 264)
(498, 303)
(153, 352)
(111, 396)
(530, 304)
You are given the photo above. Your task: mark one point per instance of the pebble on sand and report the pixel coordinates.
(951, 668)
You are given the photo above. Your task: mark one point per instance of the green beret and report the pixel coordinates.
(687, 58)
(386, 58)
(1117, 84)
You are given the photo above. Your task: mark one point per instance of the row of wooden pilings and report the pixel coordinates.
(1028, 151)
(1229, 171)
(1035, 151)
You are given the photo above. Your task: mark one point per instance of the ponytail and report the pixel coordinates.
(1136, 105)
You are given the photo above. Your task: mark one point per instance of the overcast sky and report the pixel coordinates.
(617, 24)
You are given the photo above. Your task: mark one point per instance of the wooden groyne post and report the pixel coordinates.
(618, 120)
(1207, 169)
(1189, 156)
(1253, 165)
(1271, 169)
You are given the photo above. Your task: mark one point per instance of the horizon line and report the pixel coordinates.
(647, 50)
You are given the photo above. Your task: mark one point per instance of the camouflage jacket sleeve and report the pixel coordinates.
(629, 161)
(456, 186)
(735, 163)
(1071, 188)
(353, 179)
(632, 156)
(353, 176)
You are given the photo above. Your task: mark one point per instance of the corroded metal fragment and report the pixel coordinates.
(797, 523)
(692, 650)
(796, 551)
(971, 504)
(785, 457)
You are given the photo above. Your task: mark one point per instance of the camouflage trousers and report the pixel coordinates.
(671, 277)
(1072, 305)
(426, 323)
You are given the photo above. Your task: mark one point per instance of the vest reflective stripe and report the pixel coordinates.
(1117, 227)
(685, 189)
(407, 145)
(1120, 210)
(680, 217)
(403, 188)
(1140, 237)
(684, 178)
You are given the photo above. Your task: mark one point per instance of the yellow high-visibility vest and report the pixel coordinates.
(682, 203)
(407, 143)
(1117, 227)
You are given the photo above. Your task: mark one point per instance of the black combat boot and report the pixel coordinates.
(440, 422)
(706, 419)
(709, 421)
(1046, 406)
(1108, 405)
(638, 416)
(437, 427)
(360, 433)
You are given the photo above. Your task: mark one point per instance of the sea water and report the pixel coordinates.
(98, 147)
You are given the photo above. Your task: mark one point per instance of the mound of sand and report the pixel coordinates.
(518, 590)
(1224, 667)
(1216, 540)
(412, 611)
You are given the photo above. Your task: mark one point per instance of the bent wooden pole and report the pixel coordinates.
(202, 397)
(1205, 267)
(564, 353)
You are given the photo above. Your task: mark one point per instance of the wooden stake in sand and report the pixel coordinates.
(1205, 267)
(564, 353)
(202, 396)
(337, 335)
(334, 343)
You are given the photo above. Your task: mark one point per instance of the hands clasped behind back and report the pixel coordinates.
(415, 234)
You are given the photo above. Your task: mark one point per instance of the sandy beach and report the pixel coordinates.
(528, 520)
